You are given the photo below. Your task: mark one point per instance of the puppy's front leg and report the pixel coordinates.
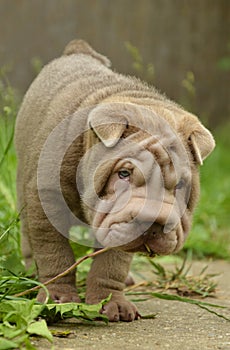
(51, 252)
(107, 275)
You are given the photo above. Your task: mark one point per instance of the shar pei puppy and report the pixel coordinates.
(98, 149)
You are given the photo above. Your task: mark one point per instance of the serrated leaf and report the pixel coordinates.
(6, 344)
(78, 310)
(63, 308)
(40, 328)
(90, 312)
(25, 308)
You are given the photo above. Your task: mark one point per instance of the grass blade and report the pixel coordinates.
(201, 304)
(6, 150)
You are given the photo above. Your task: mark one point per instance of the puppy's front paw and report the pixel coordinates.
(120, 309)
(59, 293)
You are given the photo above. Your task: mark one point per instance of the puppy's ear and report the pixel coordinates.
(108, 125)
(200, 141)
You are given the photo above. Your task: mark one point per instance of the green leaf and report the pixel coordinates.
(40, 328)
(5, 307)
(18, 309)
(63, 309)
(201, 304)
(18, 323)
(36, 310)
(6, 344)
(78, 310)
(147, 317)
(183, 299)
(13, 264)
(90, 312)
(10, 331)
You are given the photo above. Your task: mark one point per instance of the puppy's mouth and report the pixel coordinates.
(145, 248)
(134, 231)
(156, 242)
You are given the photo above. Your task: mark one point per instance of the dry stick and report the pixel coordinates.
(62, 274)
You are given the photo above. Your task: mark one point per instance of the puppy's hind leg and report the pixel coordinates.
(26, 249)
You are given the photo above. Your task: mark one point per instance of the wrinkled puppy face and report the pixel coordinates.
(145, 181)
(143, 204)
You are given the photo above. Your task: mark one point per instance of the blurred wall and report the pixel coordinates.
(176, 36)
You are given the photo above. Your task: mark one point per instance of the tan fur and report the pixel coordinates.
(81, 79)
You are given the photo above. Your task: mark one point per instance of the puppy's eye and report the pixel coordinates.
(124, 174)
(180, 184)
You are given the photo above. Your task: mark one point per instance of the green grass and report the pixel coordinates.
(10, 258)
(210, 235)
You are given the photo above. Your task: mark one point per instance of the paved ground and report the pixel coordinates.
(176, 326)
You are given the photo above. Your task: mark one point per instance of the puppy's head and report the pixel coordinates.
(145, 177)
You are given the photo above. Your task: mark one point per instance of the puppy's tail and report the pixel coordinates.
(81, 46)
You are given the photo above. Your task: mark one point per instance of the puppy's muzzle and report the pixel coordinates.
(155, 241)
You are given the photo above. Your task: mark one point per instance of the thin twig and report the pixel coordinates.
(64, 273)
